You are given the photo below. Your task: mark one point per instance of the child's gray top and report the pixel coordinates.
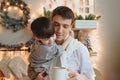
(42, 55)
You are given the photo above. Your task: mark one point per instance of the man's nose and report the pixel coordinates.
(60, 29)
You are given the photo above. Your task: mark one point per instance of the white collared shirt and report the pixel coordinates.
(78, 59)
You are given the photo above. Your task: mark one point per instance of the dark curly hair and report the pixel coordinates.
(42, 27)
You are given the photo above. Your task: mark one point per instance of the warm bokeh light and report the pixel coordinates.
(15, 8)
(21, 5)
(76, 5)
(7, 3)
(9, 8)
(4, 9)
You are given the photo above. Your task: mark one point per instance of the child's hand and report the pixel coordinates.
(41, 77)
(1, 74)
(68, 39)
(71, 33)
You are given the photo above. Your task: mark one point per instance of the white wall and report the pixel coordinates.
(109, 32)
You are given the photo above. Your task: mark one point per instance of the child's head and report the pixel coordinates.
(43, 29)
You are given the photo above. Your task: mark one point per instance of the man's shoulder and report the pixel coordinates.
(76, 41)
(80, 45)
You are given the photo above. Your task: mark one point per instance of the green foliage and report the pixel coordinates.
(87, 17)
(47, 13)
(79, 17)
(12, 23)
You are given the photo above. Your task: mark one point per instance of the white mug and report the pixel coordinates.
(59, 73)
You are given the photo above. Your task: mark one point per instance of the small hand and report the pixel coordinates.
(1, 74)
(70, 36)
(71, 33)
(41, 77)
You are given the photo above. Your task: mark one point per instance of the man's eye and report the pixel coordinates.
(66, 26)
(56, 24)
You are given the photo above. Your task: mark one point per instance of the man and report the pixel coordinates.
(76, 57)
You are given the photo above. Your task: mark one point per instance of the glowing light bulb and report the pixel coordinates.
(4, 9)
(21, 5)
(15, 8)
(7, 3)
(9, 8)
(16, 3)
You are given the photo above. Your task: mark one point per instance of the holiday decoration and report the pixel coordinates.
(87, 17)
(47, 13)
(17, 46)
(14, 14)
(15, 66)
(18, 67)
(4, 66)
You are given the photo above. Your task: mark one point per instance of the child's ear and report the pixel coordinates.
(36, 38)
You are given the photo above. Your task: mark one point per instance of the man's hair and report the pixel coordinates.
(42, 27)
(63, 11)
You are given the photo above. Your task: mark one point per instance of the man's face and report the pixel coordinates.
(62, 27)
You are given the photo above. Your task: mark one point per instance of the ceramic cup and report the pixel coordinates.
(59, 73)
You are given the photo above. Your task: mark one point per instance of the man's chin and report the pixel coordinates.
(59, 38)
(59, 41)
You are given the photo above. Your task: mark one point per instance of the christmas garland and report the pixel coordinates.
(18, 46)
(12, 22)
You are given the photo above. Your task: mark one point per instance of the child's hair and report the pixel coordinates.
(42, 27)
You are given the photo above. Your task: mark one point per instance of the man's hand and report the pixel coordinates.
(76, 76)
(41, 77)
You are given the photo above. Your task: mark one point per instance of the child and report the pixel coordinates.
(44, 50)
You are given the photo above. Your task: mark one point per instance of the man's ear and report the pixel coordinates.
(73, 25)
